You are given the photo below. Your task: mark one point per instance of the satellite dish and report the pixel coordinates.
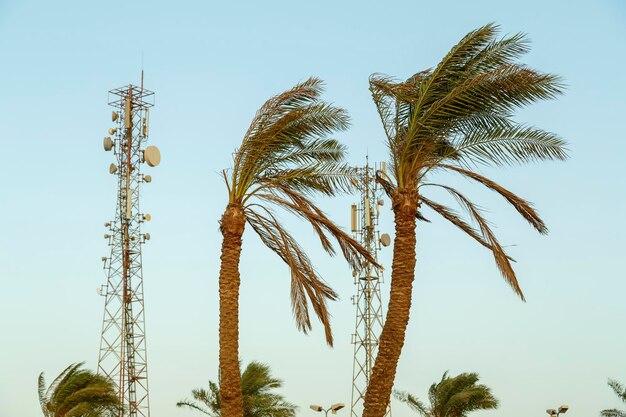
(99, 291)
(381, 202)
(112, 169)
(146, 236)
(152, 156)
(107, 236)
(147, 217)
(107, 143)
(112, 131)
(114, 116)
(385, 240)
(147, 178)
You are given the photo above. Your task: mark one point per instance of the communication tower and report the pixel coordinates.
(369, 310)
(122, 356)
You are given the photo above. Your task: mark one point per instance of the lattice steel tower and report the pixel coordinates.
(369, 310)
(122, 355)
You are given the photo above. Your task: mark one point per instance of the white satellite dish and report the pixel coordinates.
(147, 178)
(147, 217)
(107, 143)
(112, 169)
(112, 131)
(152, 156)
(114, 116)
(385, 239)
(146, 236)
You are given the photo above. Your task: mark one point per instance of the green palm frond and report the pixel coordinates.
(452, 397)
(413, 402)
(284, 124)
(613, 412)
(77, 392)
(259, 396)
(620, 391)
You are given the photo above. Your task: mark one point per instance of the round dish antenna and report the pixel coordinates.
(385, 239)
(112, 131)
(152, 156)
(112, 169)
(114, 116)
(107, 143)
(147, 178)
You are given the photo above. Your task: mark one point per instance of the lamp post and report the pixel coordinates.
(334, 408)
(556, 413)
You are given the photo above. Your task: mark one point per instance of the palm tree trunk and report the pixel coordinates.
(402, 276)
(231, 226)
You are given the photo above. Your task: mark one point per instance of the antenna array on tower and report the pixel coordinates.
(367, 278)
(122, 356)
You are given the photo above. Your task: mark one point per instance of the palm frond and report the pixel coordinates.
(413, 402)
(618, 389)
(454, 218)
(194, 406)
(304, 208)
(510, 145)
(306, 285)
(501, 258)
(285, 122)
(522, 206)
(613, 412)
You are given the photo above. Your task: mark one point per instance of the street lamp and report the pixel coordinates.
(556, 413)
(334, 408)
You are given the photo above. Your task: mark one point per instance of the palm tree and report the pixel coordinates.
(259, 400)
(452, 397)
(284, 159)
(452, 118)
(78, 392)
(620, 391)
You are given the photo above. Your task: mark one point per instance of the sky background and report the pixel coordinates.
(212, 64)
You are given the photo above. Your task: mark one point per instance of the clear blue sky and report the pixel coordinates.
(212, 65)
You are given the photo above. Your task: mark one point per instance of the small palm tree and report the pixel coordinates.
(78, 392)
(284, 159)
(620, 391)
(452, 397)
(259, 398)
(451, 119)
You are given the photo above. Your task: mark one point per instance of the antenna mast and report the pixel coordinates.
(369, 311)
(122, 356)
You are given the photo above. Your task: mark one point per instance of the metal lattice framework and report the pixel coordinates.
(122, 355)
(369, 310)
